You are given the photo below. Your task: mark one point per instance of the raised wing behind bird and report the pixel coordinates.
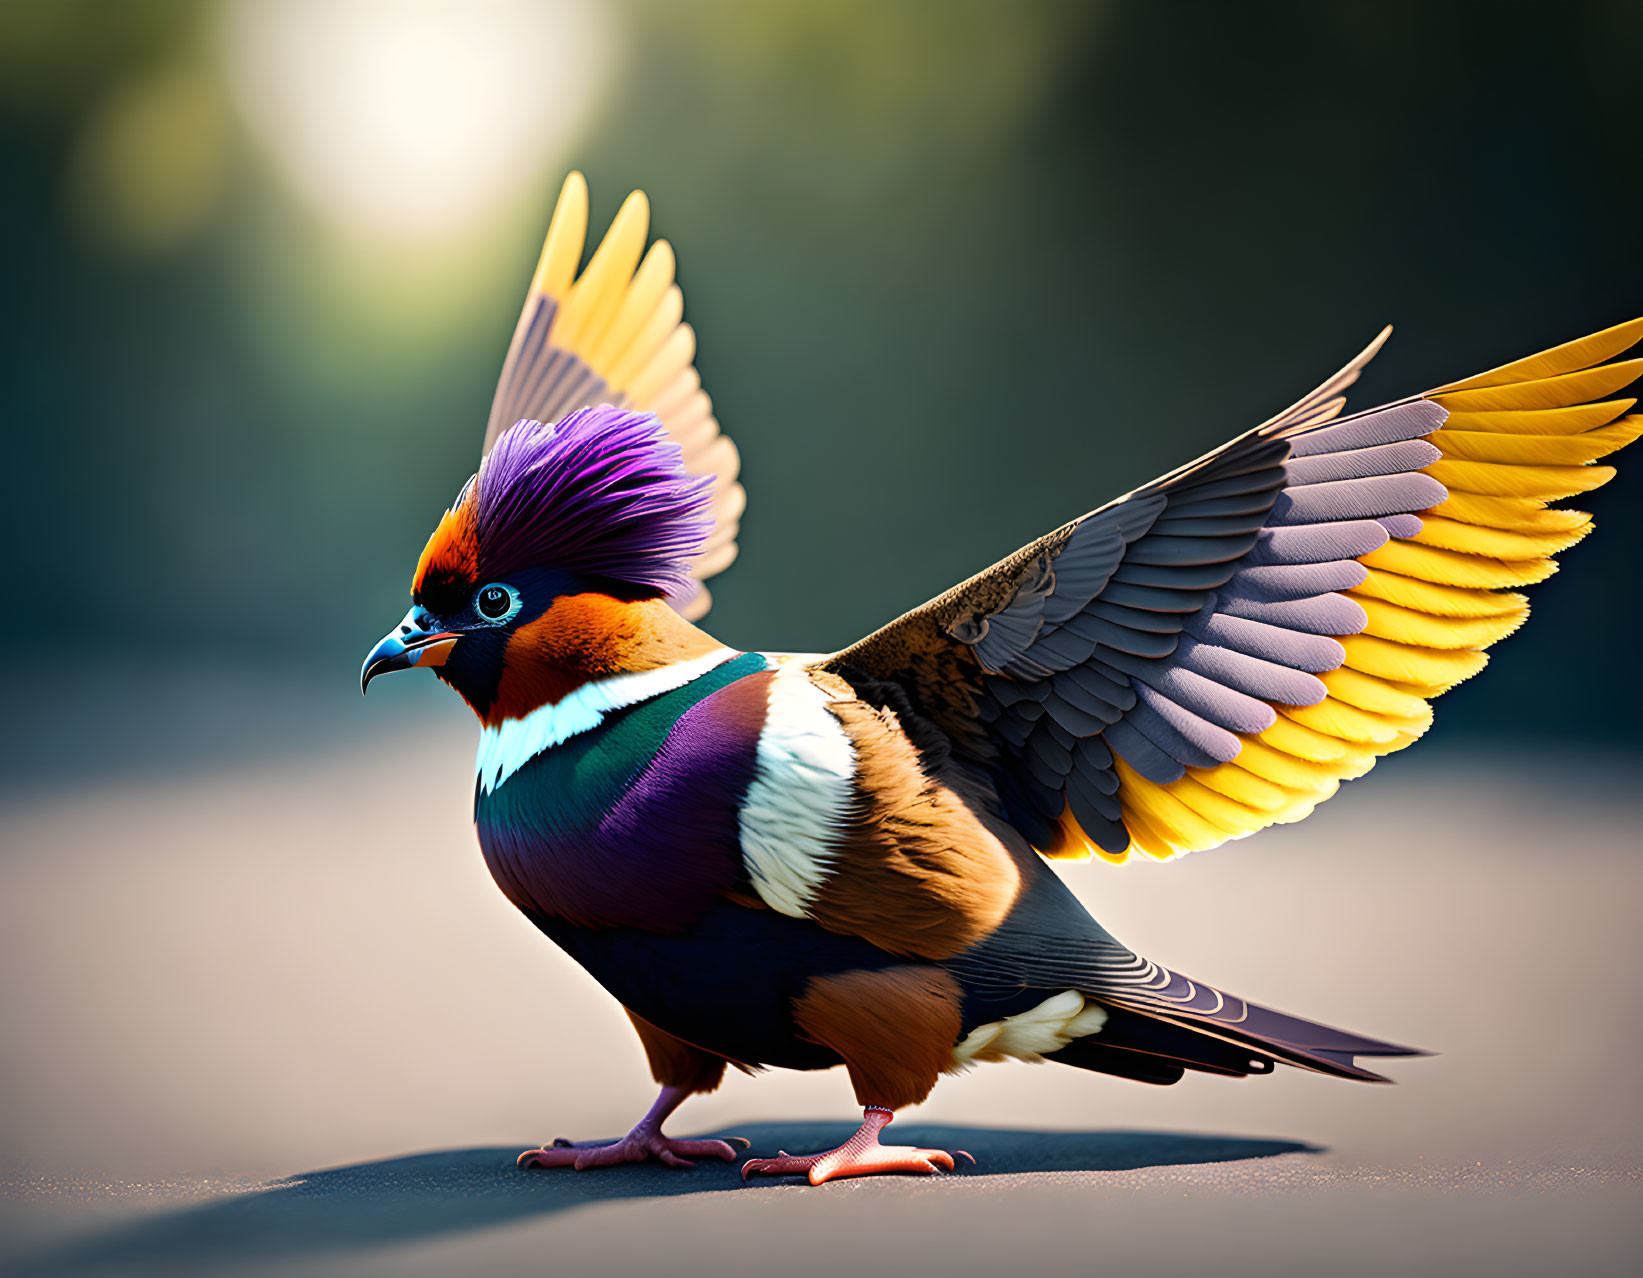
(1216, 651)
(613, 335)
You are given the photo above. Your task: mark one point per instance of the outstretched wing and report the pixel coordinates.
(613, 335)
(1216, 651)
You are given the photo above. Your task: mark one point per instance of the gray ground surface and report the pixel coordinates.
(275, 1018)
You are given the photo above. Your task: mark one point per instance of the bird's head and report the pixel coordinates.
(556, 564)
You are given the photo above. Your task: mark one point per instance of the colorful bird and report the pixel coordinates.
(811, 860)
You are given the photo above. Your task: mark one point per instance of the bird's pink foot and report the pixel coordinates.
(640, 1145)
(861, 1155)
(635, 1147)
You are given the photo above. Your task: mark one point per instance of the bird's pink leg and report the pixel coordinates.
(861, 1155)
(644, 1142)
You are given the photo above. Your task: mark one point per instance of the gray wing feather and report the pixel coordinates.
(1161, 627)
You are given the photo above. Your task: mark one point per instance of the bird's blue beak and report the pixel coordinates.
(413, 642)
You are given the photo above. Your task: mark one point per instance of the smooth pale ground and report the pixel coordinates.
(269, 970)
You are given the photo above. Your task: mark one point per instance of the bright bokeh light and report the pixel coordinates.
(416, 118)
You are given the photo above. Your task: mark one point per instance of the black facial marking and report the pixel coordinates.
(442, 592)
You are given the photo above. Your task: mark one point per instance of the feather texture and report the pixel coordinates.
(614, 335)
(1257, 626)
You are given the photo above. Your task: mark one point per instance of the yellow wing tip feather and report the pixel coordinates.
(567, 233)
(1517, 438)
(1581, 353)
(623, 315)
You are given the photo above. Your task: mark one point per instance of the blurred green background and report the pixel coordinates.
(960, 271)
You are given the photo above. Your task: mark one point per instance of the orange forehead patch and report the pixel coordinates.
(452, 553)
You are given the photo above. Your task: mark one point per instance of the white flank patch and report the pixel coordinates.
(800, 795)
(1032, 1034)
(509, 746)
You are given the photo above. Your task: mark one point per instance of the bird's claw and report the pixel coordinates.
(835, 1164)
(632, 1148)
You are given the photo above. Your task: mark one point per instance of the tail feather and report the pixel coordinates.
(1172, 1018)
(1137, 1034)
(1141, 1067)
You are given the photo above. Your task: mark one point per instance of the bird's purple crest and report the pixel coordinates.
(601, 492)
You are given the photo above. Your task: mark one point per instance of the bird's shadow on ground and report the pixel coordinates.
(426, 1196)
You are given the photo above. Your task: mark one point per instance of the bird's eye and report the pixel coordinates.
(496, 602)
